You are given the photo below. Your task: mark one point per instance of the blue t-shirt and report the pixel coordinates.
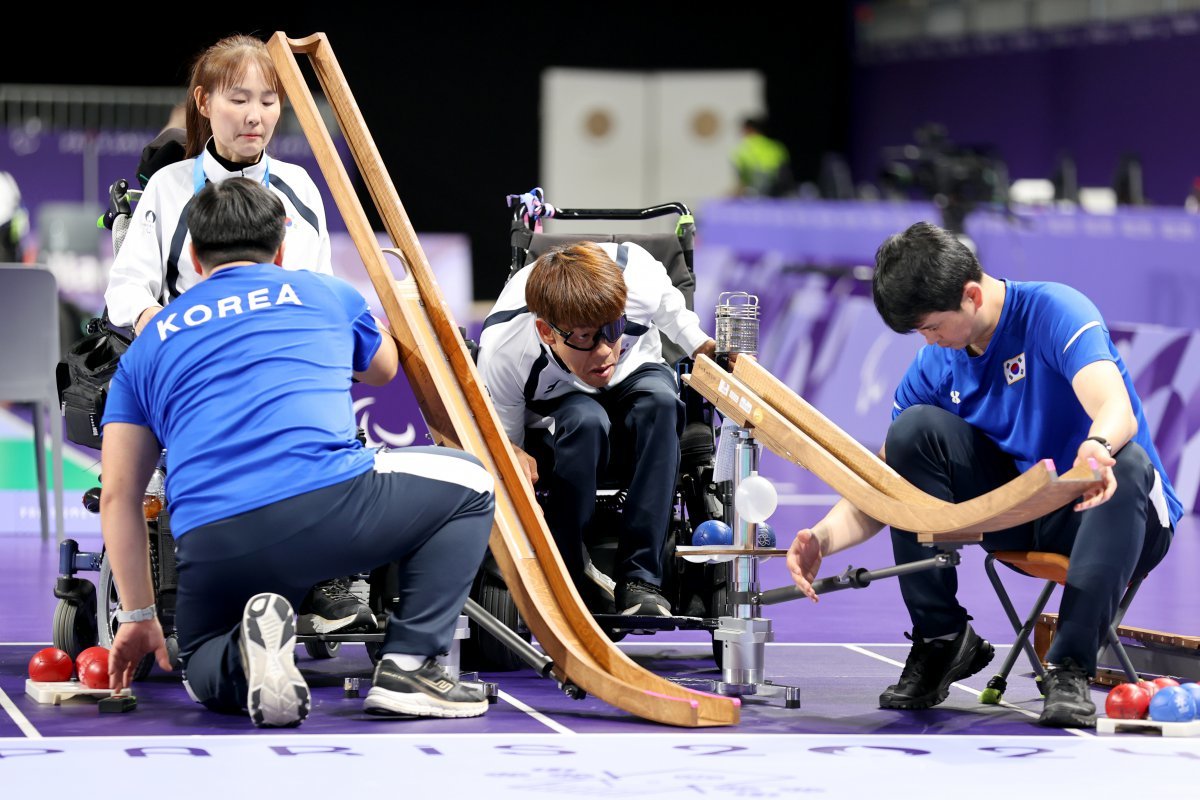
(1019, 391)
(245, 380)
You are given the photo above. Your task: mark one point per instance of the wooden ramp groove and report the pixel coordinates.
(794, 430)
(459, 414)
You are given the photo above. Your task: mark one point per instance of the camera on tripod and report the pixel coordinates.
(957, 178)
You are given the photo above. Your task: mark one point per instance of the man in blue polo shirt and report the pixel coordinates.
(246, 383)
(1013, 373)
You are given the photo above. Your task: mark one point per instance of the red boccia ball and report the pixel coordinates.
(1164, 682)
(1149, 687)
(50, 665)
(89, 655)
(1127, 701)
(95, 674)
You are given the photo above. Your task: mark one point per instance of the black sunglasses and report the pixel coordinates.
(611, 331)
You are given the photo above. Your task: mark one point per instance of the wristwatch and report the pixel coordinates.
(137, 615)
(1102, 441)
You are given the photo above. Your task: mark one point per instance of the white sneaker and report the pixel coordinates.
(606, 585)
(427, 691)
(277, 694)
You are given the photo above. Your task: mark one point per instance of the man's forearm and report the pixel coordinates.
(1115, 423)
(844, 527)
(126, 545)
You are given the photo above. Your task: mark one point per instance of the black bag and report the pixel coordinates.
(84, 377)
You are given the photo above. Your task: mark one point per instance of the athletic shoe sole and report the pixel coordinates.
(277, 695)
(983, 657)
(386, 703)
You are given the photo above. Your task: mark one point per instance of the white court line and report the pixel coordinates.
(25, 644)
(25, 725)
(540, 717)
(1005, 703)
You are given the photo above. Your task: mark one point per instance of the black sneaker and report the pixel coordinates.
(1068, 701)
(278, 695)
(638, 598)
(427, 691)
(330, 607)
(931, 668)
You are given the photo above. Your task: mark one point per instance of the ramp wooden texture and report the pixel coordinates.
(459, 413)
(794, 430)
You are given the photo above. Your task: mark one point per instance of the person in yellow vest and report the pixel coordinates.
(762, 164)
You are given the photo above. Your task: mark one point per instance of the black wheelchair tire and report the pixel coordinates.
(74, 628)
(106, 608)
(319, 649)
(719, 605)
(496, 599)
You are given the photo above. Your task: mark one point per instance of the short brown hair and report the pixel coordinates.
(575, 286)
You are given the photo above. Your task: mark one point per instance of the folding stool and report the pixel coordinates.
(1052, 568)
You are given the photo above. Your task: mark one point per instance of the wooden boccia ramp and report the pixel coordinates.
(459, 413)
(791, 428)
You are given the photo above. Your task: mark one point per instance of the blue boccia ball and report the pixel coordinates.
(1172, 704)
(766, 536)
(712, 532)
(1194, 691)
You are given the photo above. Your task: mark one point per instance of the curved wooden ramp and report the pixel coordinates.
(459, 413)
(802, 435)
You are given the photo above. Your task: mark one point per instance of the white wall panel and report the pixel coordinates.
(615, 139)
(698, 118)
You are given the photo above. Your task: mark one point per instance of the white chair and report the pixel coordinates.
(30, 347)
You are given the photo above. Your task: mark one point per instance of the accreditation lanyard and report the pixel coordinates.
(199, 179)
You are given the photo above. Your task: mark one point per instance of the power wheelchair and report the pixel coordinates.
(698, 592)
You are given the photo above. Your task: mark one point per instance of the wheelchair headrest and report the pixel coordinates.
(665, 247)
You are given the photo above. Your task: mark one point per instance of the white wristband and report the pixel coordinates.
(137, 615)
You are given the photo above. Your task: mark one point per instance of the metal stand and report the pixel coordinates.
(744, 634)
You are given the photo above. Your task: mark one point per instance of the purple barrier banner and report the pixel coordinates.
(389, 415)
(821, 335)
(844, 233)
(1139, 265)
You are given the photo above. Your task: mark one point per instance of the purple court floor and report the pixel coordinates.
(535, 741)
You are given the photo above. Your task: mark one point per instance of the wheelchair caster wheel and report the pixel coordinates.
(319, 649)
(74, 627)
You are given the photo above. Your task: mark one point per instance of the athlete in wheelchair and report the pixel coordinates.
(581, 355)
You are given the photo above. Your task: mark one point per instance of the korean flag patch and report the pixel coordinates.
(1014, 369)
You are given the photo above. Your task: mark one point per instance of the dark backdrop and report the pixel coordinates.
(450, 91)
(1094, 102)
